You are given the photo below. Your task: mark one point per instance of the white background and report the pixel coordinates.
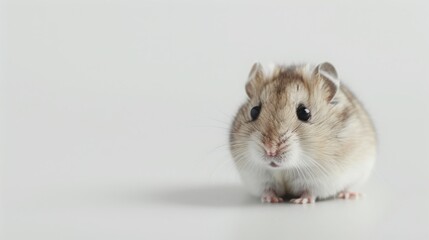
(114, 116)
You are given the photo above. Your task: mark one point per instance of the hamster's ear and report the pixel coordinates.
(256, 79)
(326, 73)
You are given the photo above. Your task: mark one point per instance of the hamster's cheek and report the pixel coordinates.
(255, 149)
(292, 157)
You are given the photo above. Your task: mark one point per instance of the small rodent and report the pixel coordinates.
(301, 133)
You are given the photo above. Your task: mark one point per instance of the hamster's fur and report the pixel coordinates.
(276, 153)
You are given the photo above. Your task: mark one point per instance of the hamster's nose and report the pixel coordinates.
(272, 154)
(273, 150)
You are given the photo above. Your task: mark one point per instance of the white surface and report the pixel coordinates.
(114, 116)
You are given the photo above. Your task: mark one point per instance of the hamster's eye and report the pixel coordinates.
(254, 113)
(303, 113)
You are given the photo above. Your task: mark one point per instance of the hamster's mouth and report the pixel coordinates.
(273, 164)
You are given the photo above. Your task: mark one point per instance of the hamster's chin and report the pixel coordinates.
(279, 163)
(275, 165)
(282, 162)
(287, 160)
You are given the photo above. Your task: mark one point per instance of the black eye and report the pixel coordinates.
(303, 113)
(254, 113)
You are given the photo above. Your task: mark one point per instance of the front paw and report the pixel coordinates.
(270, 196)
(349, 195)
(304, 199)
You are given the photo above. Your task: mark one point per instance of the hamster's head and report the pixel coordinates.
(284, 120)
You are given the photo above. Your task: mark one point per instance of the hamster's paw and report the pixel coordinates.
(270, 196)
(349, 195)
(304, 199)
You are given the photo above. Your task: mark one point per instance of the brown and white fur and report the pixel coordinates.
(277, 154)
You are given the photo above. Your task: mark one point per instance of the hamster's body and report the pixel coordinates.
(300, 133)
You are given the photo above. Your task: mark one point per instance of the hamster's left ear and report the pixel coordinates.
(326, 73)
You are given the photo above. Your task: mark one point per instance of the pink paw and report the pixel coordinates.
(303, 200)
(269, 196)
(349, 195)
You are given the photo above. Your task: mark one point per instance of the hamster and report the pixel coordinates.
(301, 133)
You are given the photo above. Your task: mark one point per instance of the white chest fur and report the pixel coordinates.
(314, 181)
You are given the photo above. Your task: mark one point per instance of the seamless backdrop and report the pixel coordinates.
(114, 116)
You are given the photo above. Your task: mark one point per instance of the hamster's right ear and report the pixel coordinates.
(256, 79)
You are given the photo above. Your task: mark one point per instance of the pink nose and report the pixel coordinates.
(273, 150)
(271, 153)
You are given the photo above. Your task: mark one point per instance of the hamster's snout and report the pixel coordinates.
(274, 149)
